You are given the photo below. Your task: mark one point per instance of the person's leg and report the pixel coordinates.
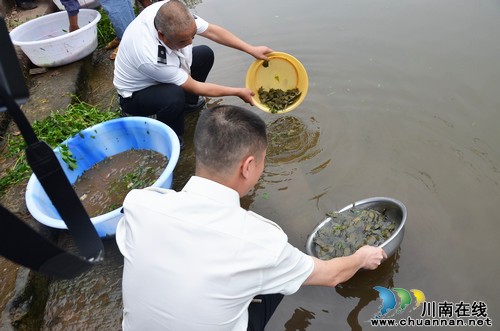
(203, 60)
(164, 100)
(146, 3)
(261, 310)
(120, 13)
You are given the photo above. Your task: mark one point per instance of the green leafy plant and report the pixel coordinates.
(105, 30)
(54, 129)
(67, 157)
(141, 177)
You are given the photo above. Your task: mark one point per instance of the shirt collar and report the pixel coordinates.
(169, 50)
(212, 190)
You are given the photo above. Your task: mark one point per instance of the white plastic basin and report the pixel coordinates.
(47, 42)
(93, 145)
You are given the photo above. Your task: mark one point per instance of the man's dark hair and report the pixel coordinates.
(172, 17)
(224, 135)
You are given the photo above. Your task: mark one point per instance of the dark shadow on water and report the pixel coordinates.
(299, 320)
(361, 286)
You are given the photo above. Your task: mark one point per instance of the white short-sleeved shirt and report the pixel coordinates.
(194, 259)
(138, 64)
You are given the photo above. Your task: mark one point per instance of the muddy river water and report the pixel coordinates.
(403, 102)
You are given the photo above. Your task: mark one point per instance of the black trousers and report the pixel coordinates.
(259, 313)
(167, 101)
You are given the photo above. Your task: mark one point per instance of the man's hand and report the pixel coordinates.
(246, 95)
(259, 52)
(371, 256)
(339, 269)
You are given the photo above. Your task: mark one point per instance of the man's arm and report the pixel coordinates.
(224, 37)
(214, 90)
(340, 269)
(157, 73)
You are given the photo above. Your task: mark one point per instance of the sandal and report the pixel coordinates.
(113, 44)
(113, 54)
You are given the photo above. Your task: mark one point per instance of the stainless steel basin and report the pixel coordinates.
(393, 209)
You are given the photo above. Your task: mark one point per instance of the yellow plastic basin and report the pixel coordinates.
(283, 72)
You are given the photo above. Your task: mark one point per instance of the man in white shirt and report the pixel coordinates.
(158, 71)
(195, 260)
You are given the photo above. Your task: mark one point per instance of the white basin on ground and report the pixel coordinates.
(47, 42)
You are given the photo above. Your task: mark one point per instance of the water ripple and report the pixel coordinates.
(291, 140)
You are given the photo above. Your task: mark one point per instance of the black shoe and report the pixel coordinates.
(26, 5)
(189, 108)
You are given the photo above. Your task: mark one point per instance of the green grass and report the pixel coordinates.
(57, 127)
(105, 31)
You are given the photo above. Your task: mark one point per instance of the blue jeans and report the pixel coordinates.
(120, 13)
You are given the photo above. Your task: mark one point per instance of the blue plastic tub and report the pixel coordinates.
(93, 145)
